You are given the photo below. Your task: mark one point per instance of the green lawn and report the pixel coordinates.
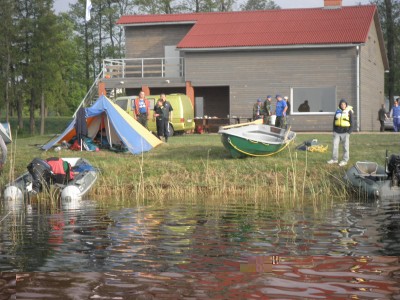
(53, 125)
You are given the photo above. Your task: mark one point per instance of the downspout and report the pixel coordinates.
(358, 88)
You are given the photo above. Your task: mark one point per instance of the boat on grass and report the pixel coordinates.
(85, 176)
(375, 181)
(252, 139)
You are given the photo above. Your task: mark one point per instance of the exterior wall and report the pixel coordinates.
(149, 41)
(254, 74)
(372, 82)
(249, 75)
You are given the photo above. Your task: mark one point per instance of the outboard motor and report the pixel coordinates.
(41, 174)
(394, 169)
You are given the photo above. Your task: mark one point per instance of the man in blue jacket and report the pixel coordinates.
(280, 111)
(395, 114)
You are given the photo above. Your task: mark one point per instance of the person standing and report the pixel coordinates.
(382, 117)
(280, 111)
(286, 98)
(395, 114)
(167, 109)
(258, 110)
(158, 115)
(142, 109)
(267, 109)
(342, 128)
(3, 153)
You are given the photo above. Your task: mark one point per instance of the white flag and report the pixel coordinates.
(88, 8)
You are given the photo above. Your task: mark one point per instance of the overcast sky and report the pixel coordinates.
(62, 5)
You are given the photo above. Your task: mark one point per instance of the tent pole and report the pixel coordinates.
(109, 132)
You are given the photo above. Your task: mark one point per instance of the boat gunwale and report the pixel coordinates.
(285, 135)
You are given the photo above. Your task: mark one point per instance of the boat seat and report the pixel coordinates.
(366, 168)
(262, 137)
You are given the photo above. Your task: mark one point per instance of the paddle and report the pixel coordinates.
(286, 134)
(259, 121)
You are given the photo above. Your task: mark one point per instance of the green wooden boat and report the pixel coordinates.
(251, 139)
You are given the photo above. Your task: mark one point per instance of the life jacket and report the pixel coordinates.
(137, 108)
(62, 170)
(342, 117)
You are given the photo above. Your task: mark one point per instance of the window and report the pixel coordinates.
(314, 100)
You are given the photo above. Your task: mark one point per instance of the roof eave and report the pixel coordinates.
(277, 47)
(158, 23)
(381, 41)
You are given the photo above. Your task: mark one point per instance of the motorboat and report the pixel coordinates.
(85, 176)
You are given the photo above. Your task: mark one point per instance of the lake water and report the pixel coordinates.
(200, 250)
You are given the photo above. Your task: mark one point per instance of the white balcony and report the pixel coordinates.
(165, 67)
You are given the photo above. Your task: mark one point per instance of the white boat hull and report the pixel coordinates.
(84, 179)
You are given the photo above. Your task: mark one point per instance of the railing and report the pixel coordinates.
(168, 67)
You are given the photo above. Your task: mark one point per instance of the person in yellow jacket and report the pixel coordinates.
(342, 128)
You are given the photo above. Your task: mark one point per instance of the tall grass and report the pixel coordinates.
(197, 167)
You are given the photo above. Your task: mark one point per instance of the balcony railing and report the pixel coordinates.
(168, 67)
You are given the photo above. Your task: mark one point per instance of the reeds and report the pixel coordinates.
(291, 188)
(197, 167)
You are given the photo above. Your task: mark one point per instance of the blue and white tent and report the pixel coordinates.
(120, 128)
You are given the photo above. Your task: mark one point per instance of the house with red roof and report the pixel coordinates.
(225, 61)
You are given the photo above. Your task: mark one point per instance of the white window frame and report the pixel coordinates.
(293, 110)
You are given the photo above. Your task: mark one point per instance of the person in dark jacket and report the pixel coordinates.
(258, 110)
(342, 128)
(267, 109)
(382, 116)
(158, 115)
(167, 109)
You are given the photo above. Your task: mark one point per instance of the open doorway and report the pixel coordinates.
(214, 101)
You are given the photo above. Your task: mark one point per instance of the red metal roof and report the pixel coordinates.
(307, 26)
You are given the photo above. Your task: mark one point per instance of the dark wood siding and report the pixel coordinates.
(254, 74)
(248, 75)
(149, 41)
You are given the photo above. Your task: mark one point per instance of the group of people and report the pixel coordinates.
(342, 122)
(263, 110)
(161, 113)
(394, 113)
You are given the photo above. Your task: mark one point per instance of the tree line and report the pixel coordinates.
(48, 61)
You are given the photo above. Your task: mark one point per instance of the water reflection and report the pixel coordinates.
(197, 250)
(319, 277)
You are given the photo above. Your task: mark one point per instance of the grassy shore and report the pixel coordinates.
(199, 167)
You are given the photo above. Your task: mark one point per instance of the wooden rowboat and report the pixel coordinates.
(252, 139)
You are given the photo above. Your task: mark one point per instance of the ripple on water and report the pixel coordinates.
(193, 251)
